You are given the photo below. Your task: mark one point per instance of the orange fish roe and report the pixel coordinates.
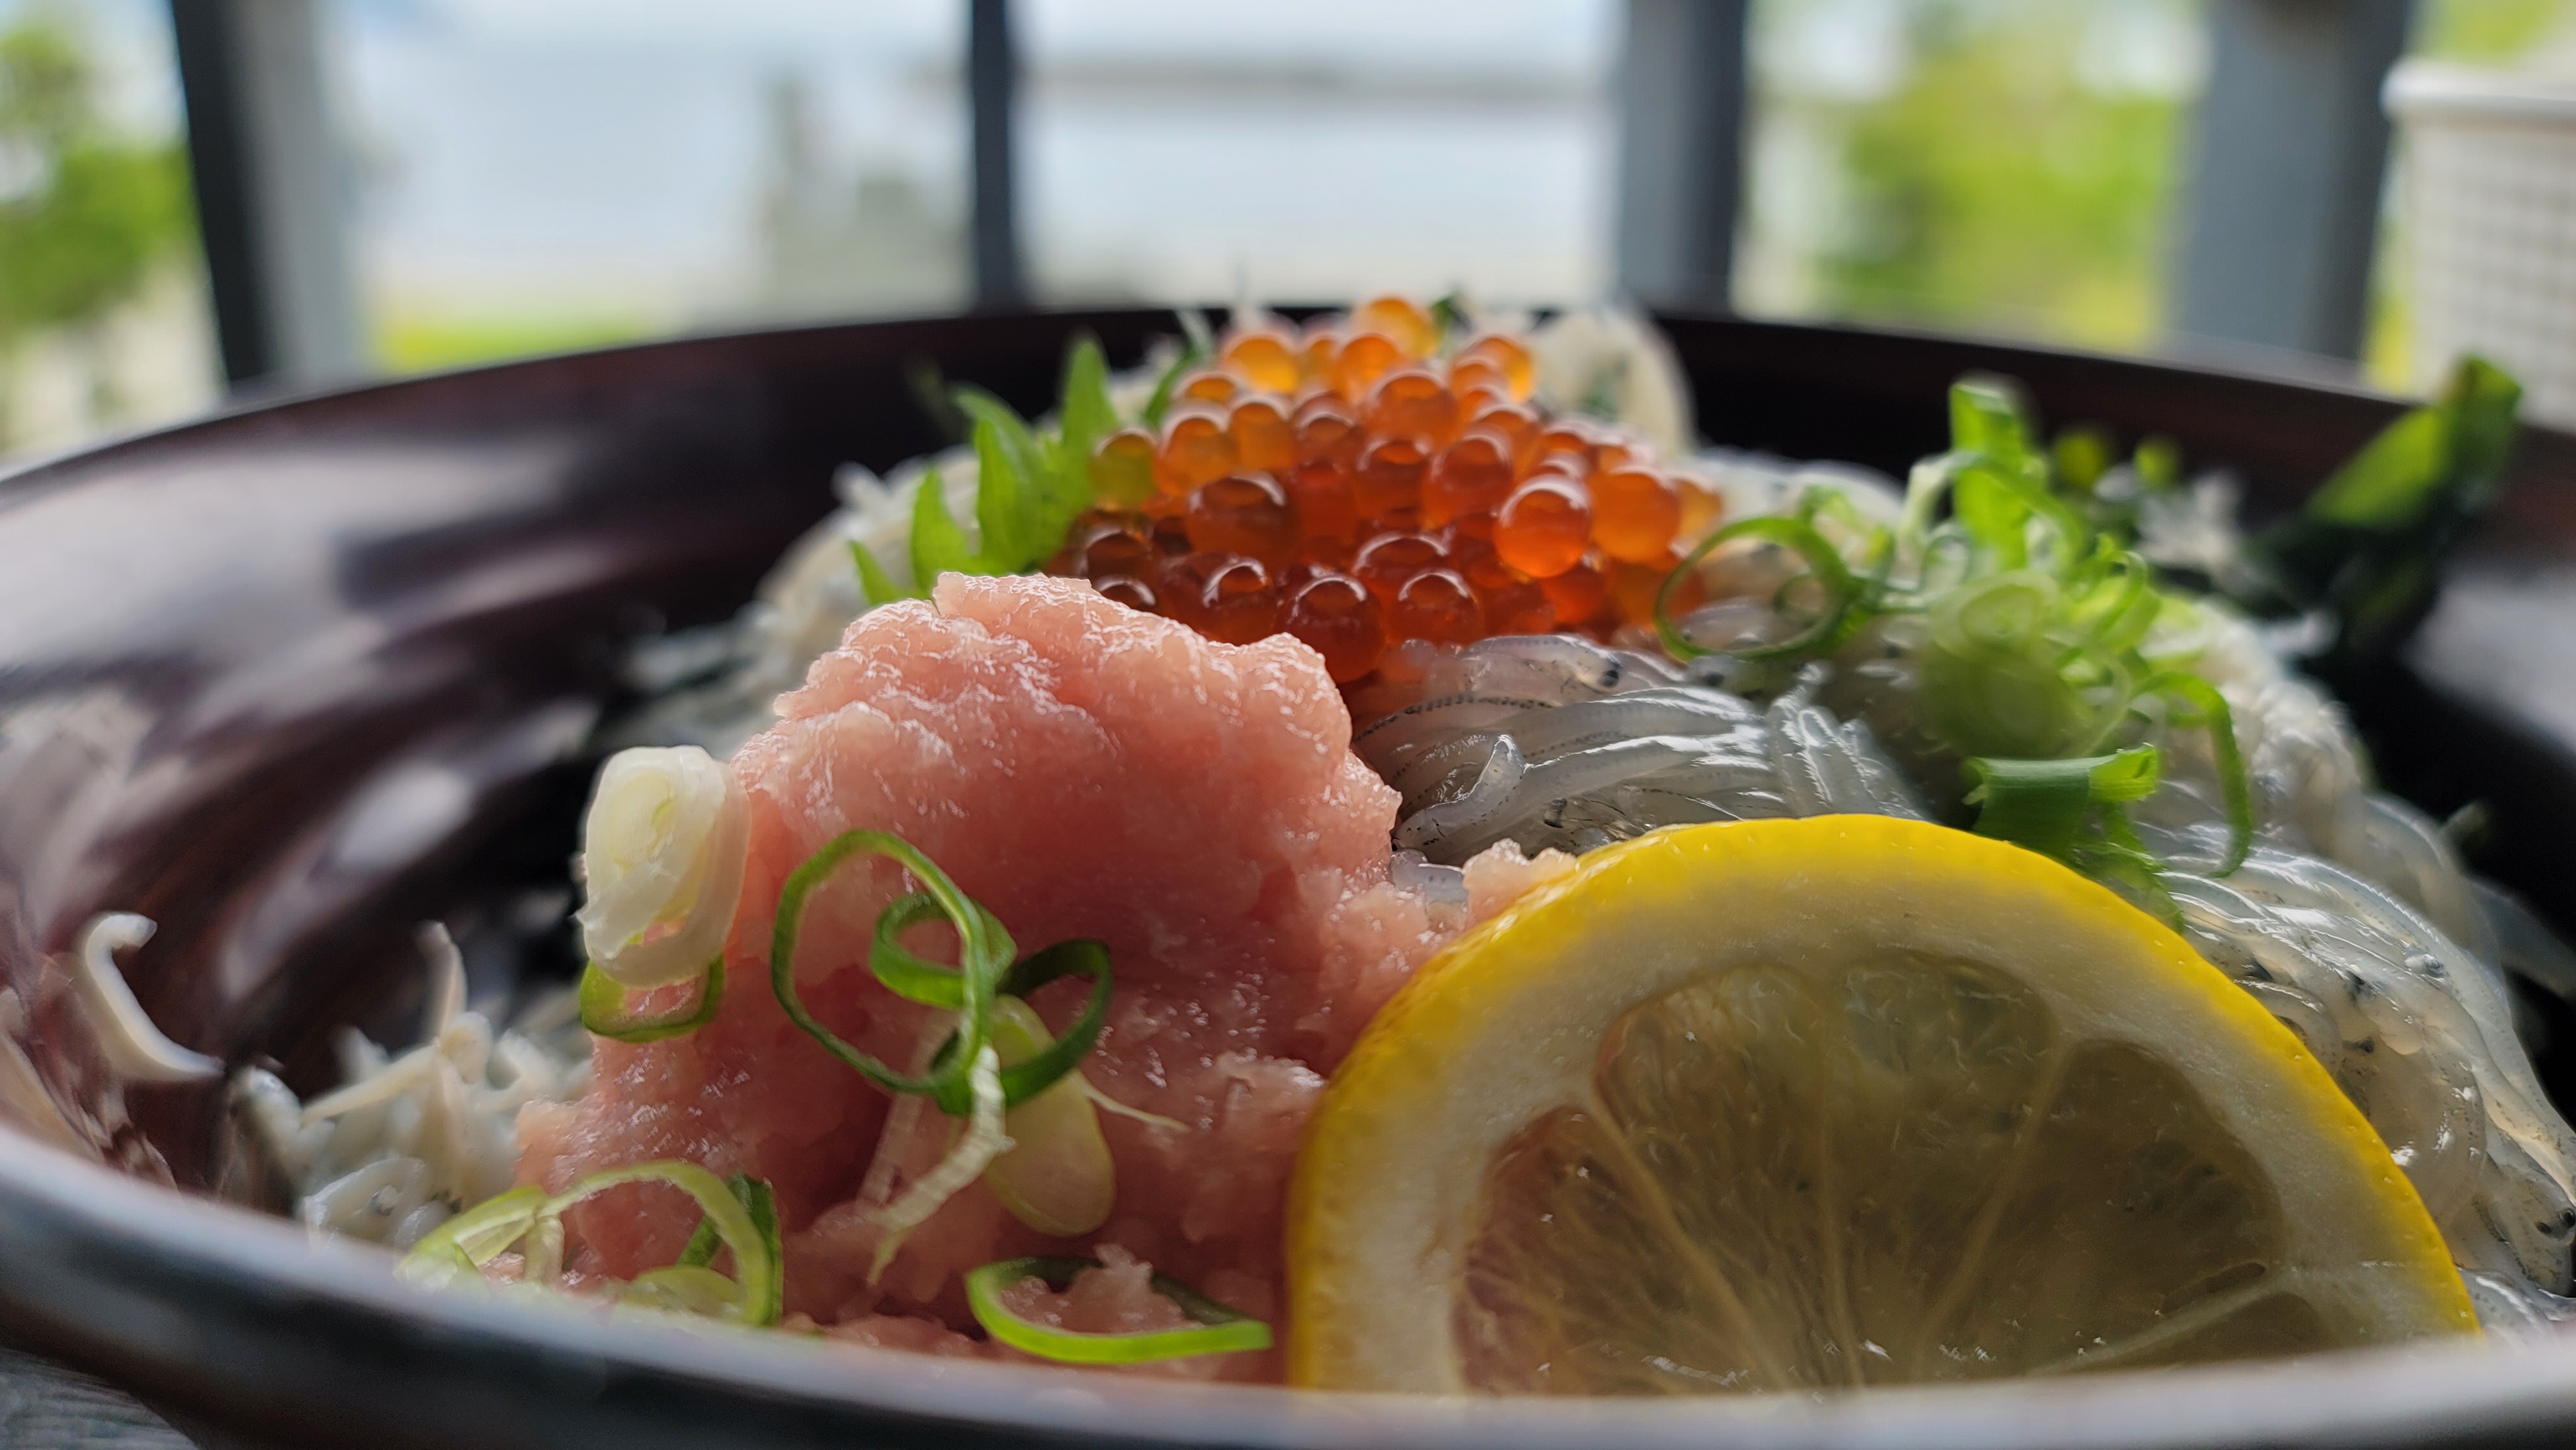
(1545, 526)
(1337, 616)
(1472, 475)
(1387, 561)
(1437, 605)
(1388, 483)
(1262, 438)
(1196, 451)
(1635, 514)
(1359, 362)
(1263, 358)
(1209, 388)
(1358, 483)
(1578, 595)
(1122, 472)
(1244, 513)
(1239, 605)
(1400, 319)
(1413, 404)
(1503, 358)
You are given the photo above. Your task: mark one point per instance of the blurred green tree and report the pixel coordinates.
(85, 214)
(1997, 187)
(2497, 32)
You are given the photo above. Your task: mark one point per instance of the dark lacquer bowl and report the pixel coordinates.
(294, 678)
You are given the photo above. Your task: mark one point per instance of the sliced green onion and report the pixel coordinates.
(603, 1007)
(683, 1289)
(1077, 957)
(984, 971)
(2043, 805)
(755, 1256)
(465, 1243)
(744, 1220)
(1842, 588)
(981, 961)
(761, 1204)
(1057, 1176)
(2235, 784)
(1216, 1329)
(908, 974)
(2120, 858)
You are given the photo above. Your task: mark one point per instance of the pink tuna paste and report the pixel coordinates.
(1084, 770)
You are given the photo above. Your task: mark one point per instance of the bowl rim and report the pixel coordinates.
(2447, 1394)
(2467, 1392)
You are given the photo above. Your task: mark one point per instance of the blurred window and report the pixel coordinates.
(1316, 151)
(2498, 32)
(543, 174)
(1997, 166)
(2502, 34)
(103, 317)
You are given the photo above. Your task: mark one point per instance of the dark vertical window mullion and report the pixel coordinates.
(2283, 214)
(208, 41)
(1682, 96)
(992, 82)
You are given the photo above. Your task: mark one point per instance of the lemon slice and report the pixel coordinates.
(1834, 1102)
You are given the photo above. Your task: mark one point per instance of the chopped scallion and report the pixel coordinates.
(985, 969)
(1215, 1328)
(604, 1012)
(743, 1219)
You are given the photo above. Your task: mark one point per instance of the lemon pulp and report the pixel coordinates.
(1851, 1101)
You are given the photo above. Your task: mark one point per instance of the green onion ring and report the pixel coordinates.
(2235, 785)
(981, 963)
(1078, 956)
(744, 1219)
(603, 1007)
(756, 1263)
(916, 978)
(761, 1204)
(1216, 1329)
(1842, 590)
(473, 1238)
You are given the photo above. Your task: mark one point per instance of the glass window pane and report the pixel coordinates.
(103, 317)
(539, 174)
(1316, 151)
(1996, 166)
(2408, 349)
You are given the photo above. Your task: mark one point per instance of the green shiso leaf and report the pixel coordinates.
(1191, 354)
(876, 587)
(2370, 545)
(1005, 498)
(1215, 1328)
(1085, 415)
(938, 544)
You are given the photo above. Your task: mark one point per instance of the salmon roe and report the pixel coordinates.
(1363, 482)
